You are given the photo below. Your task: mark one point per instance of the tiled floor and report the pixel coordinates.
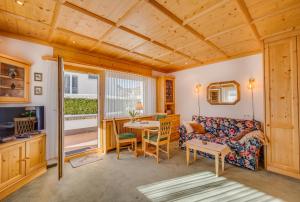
(80, 140)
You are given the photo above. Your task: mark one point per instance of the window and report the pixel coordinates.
(70, 83)
(74, 84)
(67, 83)
(93, 76)
(124, 90)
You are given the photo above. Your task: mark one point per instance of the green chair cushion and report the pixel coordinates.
(123, 136)
(153, 138)
(160, 116)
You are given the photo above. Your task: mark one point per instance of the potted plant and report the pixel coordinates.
(133, 114)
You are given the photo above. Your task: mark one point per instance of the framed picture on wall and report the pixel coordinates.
(38, 76)
(38, 90)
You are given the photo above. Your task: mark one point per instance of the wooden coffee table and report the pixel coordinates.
(218, 150)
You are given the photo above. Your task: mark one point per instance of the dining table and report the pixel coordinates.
(143, 126)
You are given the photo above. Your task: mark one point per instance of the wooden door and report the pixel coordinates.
(282, 109)
(35, 154)
(12, 164)
(61, 153)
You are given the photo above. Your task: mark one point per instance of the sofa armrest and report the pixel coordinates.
(253, 145)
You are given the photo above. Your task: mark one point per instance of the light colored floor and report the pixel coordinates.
(116, 180)
(81, 140)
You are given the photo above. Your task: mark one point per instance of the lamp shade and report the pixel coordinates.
(139, 106)
(198, 88)
(251, 83)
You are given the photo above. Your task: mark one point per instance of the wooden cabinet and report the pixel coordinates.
(14, 80)
(12, 165)
(20, 162)
(35, 154)
(282, 82)
(166, 95)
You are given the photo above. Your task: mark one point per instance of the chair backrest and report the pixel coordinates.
(115, 129)
(164, 128)
(159, 116)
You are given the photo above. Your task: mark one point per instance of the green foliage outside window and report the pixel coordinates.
(80, 106)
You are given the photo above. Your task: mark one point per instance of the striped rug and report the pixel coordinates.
(204, 186)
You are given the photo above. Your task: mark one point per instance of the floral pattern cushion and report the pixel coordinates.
(221, 131)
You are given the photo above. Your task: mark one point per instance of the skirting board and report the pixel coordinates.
(17, 185)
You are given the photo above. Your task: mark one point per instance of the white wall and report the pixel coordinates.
(239, 70)
(33, 52)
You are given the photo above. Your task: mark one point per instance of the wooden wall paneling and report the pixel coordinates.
(123, 39)
(24, 26)
(54, 20)
(242, 33)
(282, 110)
(173, 58)
(189, 10)
(118, 23)
(245, 12)
(261, 8)
(78, 22)
(275, 24)
(106, 49)
(112, 10)
(37, 10)
(87, 12)
(151, 50)
(216, 21)
(242, 47)
(178, 21)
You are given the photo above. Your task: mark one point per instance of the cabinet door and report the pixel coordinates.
(35, 154)
(12, 164)
(282, 127)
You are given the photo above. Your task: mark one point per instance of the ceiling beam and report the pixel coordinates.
(244, 10)
(54, 21)
(204, 12)
(108, 44)
(86, 12)
(173, 17)
(118, 23)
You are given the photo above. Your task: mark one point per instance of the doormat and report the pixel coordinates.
(90, 158)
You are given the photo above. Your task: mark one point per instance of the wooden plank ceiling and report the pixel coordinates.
(168, 35)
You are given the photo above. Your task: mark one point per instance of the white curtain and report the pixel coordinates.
(124, 90)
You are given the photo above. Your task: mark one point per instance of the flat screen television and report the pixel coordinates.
(7, 115)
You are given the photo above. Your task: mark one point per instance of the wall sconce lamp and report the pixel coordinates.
(251, 85)
(198, 91)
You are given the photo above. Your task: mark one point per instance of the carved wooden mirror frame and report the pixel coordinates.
(222, 83)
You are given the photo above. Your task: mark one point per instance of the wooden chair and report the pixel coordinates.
(124, 138)
(158, 138)
(159, 116)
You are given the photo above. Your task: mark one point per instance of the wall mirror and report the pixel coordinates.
(223, 93)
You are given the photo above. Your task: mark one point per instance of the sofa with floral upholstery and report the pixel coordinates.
(224, 131)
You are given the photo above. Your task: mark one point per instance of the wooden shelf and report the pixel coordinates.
(8, 77)
(166, 95)
(21, 92)
(9, 88)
